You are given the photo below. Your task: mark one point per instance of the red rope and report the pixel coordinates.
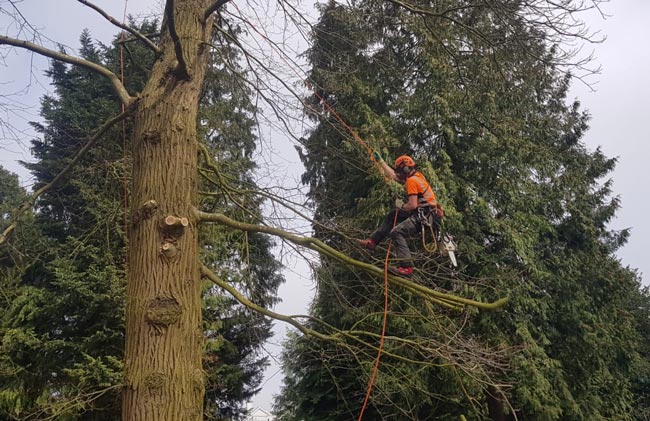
(372, 158)
(375, 370)
(124, 169)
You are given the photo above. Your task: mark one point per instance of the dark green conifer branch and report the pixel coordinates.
(31, 201)
(207, 273)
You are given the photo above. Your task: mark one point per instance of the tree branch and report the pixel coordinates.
(120, 90)
(127, 28)
(31, 201)
(428, 353)
(182, 69)
(207, 273)
(213, 8)
(320, 247)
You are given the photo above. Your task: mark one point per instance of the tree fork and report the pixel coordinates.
(164, 336)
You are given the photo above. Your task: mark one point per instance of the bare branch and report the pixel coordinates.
(207, 273)
(423, 347)
(182, 69)
(31, 201)
(322, 248)
(127, 28)
(213, 8)
(119, 88)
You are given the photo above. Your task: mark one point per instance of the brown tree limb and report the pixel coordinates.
(322, 248)
(31, 201)
(118, 87)
(207, 273)
(213, 8)
(338, 336)
(182, 70)
(119, 24)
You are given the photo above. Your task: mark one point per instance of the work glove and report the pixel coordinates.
(377, 156)
(399, 203)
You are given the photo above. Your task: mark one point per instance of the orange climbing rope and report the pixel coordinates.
(375, 369)
(292, 67)
(124, 169)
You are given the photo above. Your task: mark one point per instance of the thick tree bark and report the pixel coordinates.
(164, 337)
(497, 410)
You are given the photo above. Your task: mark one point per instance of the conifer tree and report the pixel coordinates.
(485, 114)
(439, 80)
(72, 303)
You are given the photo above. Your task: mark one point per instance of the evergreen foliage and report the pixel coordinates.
(67, 321)
(235, 334)
(485, 114)
(63, 326)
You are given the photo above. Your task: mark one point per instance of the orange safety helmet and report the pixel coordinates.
(403, 162)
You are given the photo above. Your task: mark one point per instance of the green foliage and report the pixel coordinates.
(65, 326)
(529, 204)
(639, 307)
(62, 328)
(233, 359)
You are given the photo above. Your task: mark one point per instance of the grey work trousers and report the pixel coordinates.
(407, 225)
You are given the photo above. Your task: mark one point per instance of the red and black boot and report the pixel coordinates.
(368, 243)
(403, 271)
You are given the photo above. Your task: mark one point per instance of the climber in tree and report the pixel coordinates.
(421, 206)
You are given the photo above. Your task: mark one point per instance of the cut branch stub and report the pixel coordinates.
(168, 249)
(173, 227)
(145, 211)
(175, 221)
(149, 206)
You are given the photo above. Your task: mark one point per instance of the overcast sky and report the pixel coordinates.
(620, 109)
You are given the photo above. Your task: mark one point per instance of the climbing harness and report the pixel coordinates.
(431, 217)
(426, 218)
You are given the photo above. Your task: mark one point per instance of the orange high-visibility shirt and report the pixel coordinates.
(417, 184)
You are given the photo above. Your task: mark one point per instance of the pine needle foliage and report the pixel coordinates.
(479, 99)
(63, 324)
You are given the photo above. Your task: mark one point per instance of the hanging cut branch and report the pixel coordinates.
(320, 247)
(29, 203)
(120, 90)
(430, 352)
(127, 28)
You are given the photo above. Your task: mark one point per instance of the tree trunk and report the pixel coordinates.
(164, 336)
(496, 406)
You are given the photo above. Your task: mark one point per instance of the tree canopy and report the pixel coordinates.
(484, 112)
(539, 321)
(65, 322)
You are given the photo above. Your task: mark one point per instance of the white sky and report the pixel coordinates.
(619, 107)
(620, 110)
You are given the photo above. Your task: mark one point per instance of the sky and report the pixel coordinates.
(618, 101)
(620, 109)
